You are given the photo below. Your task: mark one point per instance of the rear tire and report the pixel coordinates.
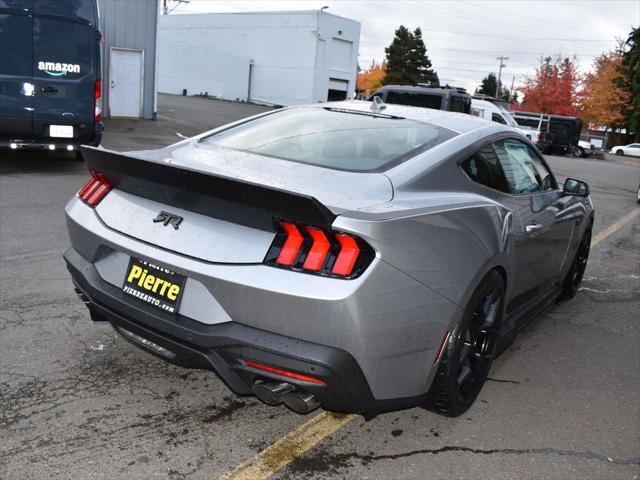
(619, 152)
(574, 276)
(469, 351)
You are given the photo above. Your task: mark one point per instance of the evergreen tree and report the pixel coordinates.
(407, 60)
(630, 81)
(488, 85)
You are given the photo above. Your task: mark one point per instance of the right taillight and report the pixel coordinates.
(97, 98)
(95, 189)
(310, 249)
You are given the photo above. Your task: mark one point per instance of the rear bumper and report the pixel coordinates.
(222, 347)
(87, 135)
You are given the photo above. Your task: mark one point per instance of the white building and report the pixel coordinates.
(281, 58)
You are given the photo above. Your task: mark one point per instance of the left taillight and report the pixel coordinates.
(97, 97)
(309, 249)
(95, 189)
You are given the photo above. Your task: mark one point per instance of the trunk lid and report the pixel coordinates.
(227, 199)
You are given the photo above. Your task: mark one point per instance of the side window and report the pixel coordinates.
(485, 169)
(523, 168)
(498, 118)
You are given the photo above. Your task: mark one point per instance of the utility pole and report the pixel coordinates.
(513, 80)
(502, 65)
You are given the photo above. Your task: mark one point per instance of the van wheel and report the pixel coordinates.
(469, 351)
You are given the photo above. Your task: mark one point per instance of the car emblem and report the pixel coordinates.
(168, 218)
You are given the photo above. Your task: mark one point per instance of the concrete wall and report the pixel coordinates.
(292, 55)
(131, 24)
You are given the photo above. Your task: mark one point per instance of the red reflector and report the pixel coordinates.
(319, 248)
(443, 343)
(292, 244)
(348, 255)
(284, 373)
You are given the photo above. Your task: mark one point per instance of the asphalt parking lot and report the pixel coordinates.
(78, 402)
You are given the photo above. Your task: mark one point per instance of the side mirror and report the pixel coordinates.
(575, 187)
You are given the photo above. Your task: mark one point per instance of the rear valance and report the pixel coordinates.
(209, 194)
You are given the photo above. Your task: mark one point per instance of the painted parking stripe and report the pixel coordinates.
(611, 229)
(297, 442)
(288, 448)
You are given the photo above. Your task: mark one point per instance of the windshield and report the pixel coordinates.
(333, 138)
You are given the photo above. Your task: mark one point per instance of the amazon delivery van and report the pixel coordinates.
(50, 82)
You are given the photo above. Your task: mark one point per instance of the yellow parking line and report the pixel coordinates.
(614, 228)
(285, 450)
(295, 443)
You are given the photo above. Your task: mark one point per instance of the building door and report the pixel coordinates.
(125, 82)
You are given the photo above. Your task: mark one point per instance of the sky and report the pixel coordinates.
(463, 38)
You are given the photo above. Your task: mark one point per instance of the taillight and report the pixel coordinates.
(97, 97)
(95, 189)
(308, 249)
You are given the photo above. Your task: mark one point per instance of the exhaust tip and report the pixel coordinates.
(271, 393)
(301, 402)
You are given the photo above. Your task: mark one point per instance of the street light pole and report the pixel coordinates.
(500, 74)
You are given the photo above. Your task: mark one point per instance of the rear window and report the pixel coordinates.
(333, 138)
(423, 100)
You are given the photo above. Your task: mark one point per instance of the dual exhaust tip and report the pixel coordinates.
(275, 393)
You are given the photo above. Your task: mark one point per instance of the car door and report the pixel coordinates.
(633, 150)
(16, 83)
(546, 221)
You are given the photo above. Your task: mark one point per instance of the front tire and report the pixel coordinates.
(574, 276)
(469, 350)
(619, 152)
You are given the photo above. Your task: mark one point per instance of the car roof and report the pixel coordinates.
(460, 123)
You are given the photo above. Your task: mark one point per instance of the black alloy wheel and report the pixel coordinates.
(469, 351)
(574, 276)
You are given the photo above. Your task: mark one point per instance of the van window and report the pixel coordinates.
(15, 55)
(459, 104)
(415, 99)
(84, 9)
(333, 138)
(496, 117)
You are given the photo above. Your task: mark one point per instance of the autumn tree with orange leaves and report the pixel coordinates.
(371, 79)
(554, 88)
(605, 100)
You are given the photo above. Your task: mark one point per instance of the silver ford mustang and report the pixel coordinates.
(349, 255)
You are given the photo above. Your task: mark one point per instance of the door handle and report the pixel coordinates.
(533, 227)
(49, 89)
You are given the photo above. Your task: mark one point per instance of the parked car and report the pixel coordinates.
(633, 150)
(559, 135)
(452, 99)
(495, 113)
(352, 255)
(50, 81)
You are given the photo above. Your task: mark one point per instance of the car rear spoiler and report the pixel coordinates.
(206, 193)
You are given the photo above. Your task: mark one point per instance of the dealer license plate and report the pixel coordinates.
(61, 131)
(156, 285)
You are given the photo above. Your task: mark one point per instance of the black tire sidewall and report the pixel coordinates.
(443, 396)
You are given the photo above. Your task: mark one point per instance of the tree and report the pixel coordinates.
(553, 88)
(371, 79)
(488, 85)
(630, 80)
(407, 60)
(605, 100)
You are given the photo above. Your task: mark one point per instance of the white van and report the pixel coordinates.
(495, 113)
